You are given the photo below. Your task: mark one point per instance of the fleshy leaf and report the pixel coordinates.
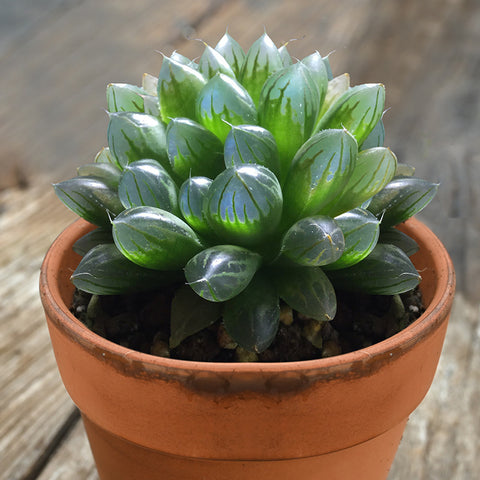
(313, 241)
(336, 88)
(285, 56)
(224, 102)
(404, 170)
(317, 68)
(307, 290)
(147, 183)
(106, 156)
(252, 317)
(288, 107)
(89, 198)
(233, 53)
(108, 173)
(178, 87)
(122, 97)
(360, 229)
(151, 105)
(400, 240)
(190, 314)
(154, 238)
(179, 58)
(244, 204)
(105, 271)
(212, 62)
(358, 110)
(376, 138)
(261, 61)
(319, 172)
(401, 199)
(135, 136)
(373, 169)
(190, 199)
(251, 144)
(193, 150)
(92, 239)
(150, 84)
(386, 271)
(221, 272)
(326, 61)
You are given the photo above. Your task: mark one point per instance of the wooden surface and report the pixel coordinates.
(56, 57)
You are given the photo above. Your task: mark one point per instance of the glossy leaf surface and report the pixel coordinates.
(399, 239)
(154, 238)
(106, 156)
(386, 271)
(193, 150)
(246, 144)
(92, 239)
(105, 271)
(233, 53)
(317, 68)
(361, 230)
(313, 241)
(190, 314)
(151, 105)
(147, 183)
(135, 136)
(307, 290)
(401, 199)
(336, 88)
(122, 97)
(191, 198)
(285, 55)
(221, 272)
(212, 62)
(319, 172)
(106, 172)
(376, 138)
(252, 317)
(89, 198)
(150, 84)
(224, 102)
(244, 204)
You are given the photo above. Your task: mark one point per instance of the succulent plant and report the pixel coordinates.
(251, 181)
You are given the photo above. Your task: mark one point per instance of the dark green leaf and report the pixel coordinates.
(193, 150)
(147, 183)
(191, 197)
(221, 272)
(244, 204)
(360, 229)
(232, 52)
(399, 239)
(252, 317)
(105, 271)
(319, 172)
(401, 199)
(108, 173)
(313, 241)
(89, 198)
(92, 239)
(376, 138)
(386, 271)
(135, 136)
(288, 107)
(307, 290)
(190, 314)
(122, 97)
(178, 88)
(154, 238)
(251, 144)
(212, 62)
(223, 102)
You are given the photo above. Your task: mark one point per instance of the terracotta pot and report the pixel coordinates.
(340, 418)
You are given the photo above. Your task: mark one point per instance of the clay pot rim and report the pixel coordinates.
(435, 314)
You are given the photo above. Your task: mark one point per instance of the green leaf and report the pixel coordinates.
(244, 204)
(401, 199)
(252, 317)
(151, 105)
(373, 169)
(336, 88)
(190, 199)
(360, 229)
(212, 62)
(401, 240)
(317, 68)
(288, 107)
(285, 55)
(223, 102)
(135, 136)
(193, 150)
(376, 138)
(313, 241)
(178, 88)
(326, 61)
(319, 172)
(182, 59)
(358, 110)
(190, 314)
(106, 172)
(221, 272)
(147, 183)
(262, 60)
(122, 97)
(386, 271)
(232, 52)
(307, 290)
(106, 156)
(89, 198)
(105, 271)
(154, 238)
(92, 239)
(247, 144)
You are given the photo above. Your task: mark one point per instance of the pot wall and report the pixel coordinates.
(256, 412)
